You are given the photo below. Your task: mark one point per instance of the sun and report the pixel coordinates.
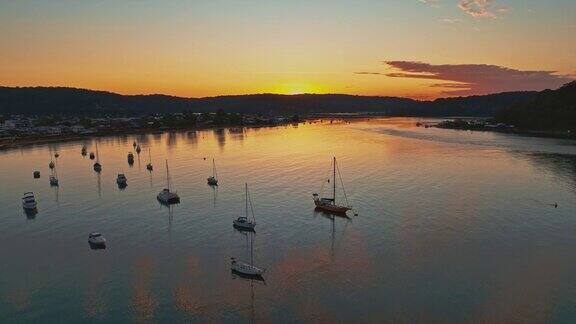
(297, 88)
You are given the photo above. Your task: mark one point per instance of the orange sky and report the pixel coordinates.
(195, 48)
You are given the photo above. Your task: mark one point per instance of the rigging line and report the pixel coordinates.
(324, 179)
(251, 206)
(342, 183)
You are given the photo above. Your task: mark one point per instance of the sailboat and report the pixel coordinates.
(51, 164)
(244, 268)
(53, 178)
(97, 165)
(130, 158)
(149, 165)
(330, 204)
(243, 222)
(166, 196)
(213, 180)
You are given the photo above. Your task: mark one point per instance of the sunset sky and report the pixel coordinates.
(415, 48)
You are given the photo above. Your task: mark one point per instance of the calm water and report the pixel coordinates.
(452, 227)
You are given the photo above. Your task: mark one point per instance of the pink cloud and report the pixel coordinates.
(482, 8)
(471, 79)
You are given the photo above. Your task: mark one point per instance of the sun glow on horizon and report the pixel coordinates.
(296, 88)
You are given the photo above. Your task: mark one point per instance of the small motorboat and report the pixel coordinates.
(245, 268)
(121, 180)
(130, 158)
(53, 180)
(56, 155)
(92, 156)
(51, 165)
(29, 201)
(166, 196)
(243, 222)
(138, 149)
(84, 150)
(36, 174)
(96, 240)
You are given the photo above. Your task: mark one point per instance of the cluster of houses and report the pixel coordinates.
(22, 126)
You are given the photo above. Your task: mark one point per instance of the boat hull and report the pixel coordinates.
(331, 208)
(245, 269)
(244, 225)
(168, 199)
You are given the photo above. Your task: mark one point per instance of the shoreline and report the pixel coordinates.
(504, 130)
(21, 142)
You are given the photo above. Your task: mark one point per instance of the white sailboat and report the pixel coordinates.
(244, 268)
(243, 222)
(213, 180)
(331, 204)
(166, 196)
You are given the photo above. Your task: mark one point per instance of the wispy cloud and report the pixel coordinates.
(482, 8)
(433, 3)
(450, 20)
(470, 79)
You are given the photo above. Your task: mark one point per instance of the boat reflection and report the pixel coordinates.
(31, 213)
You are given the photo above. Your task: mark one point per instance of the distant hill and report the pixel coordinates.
(550, 110)
(60, 100)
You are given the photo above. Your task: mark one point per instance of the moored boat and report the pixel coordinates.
(213, 179)
(166, 196)
(121, 180)
(331, 204)
(36, 174)
(29, 201)
(53, 180)
(97, 165)
(244, 268)
(96, 240)
(149, 165)
(243, 222)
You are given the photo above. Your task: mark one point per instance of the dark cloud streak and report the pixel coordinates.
(471, 79)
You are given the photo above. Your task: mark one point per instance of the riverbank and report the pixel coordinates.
(484, 125)
(25, 141)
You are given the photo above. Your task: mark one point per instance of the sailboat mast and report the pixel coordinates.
(213, 168)
(97, 155)
(167, 176)
(246, 197)
(251, 249)
(334, 181)
(149, 156)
